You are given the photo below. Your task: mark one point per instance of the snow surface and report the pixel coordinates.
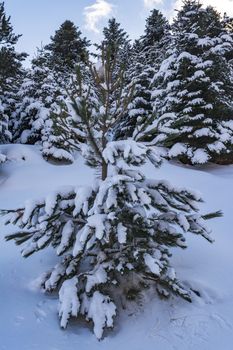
(28, 318)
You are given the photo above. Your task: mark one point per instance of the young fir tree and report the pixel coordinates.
(10, 73)
(67, 48)
(147, 54)
(193, 90)
(114, 237)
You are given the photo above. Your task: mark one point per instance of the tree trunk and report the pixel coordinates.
(104, 143)
(104, 170)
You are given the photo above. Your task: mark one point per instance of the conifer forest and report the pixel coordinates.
(116, 185)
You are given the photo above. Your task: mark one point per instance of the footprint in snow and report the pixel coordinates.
(221, 321)
(40, 314)
(19, 320)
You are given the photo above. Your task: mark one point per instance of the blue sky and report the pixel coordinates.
(37, 20)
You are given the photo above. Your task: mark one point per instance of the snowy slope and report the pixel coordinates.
(28, 318)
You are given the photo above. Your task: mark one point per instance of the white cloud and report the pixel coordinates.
(94, 13)
(220, 5)
(149, 4)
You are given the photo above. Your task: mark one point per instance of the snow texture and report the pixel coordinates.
(204, 324)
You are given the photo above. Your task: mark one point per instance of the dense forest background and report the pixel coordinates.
(177, 78)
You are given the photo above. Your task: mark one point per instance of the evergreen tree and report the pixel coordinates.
(36, 96)
(10, 60)
(66, 135)
(156, 30)
(54, 70)
(147, 55)
(193, 90)
(10, 72)
(115, 236)
(41, 116)
(39, 98)
(139, 111)
(67, 48)
(115, 43)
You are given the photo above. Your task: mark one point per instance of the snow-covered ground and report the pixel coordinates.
(28, 318)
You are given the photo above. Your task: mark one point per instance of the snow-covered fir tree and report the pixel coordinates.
(31, 112)
(114, 237)
(193, 91)
(44, 90)
(66, 135)
(11, 73)
(61, 57)
(39, 98)
(147, 54)
(138, 77)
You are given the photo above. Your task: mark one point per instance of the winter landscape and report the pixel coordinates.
(116, 168)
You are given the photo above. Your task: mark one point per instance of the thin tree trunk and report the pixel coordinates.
(104, 170)
(104, 143)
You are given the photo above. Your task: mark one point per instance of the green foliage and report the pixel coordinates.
(193, 90)
(146, 57)
(10, 60)
(11, 73)
(67, 48)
